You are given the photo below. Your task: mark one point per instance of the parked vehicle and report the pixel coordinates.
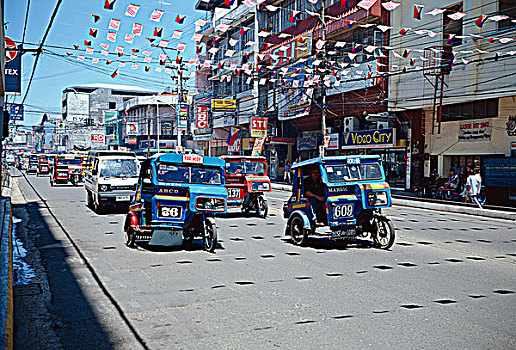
(10, 159)
(64, 169)
(23, 164)
(33, 165)
(176, 200)
(354, 192)
(246, 181)
(111, 178)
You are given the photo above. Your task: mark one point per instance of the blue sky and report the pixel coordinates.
(71, 27)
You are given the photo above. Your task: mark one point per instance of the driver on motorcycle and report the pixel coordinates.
(453, 180)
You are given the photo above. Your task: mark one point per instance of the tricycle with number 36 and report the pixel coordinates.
(340, 197)
(176, 199)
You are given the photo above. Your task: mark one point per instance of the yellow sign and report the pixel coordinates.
(223, 105)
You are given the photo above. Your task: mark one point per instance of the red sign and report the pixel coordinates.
(202, 117)
(192, 158)
(236, 146)
(97, 138)
(258, 127)
(10, 44)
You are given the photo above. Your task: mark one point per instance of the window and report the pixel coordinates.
(452, 27)
(339, 173)
(470, 110)
(507, 8)
(112, 105)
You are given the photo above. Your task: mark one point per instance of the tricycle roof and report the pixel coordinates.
(238, 158)
(335, 159)
(180, 159)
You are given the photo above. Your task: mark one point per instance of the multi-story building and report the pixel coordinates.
(461, 99)
(88, 108)
(140, 116)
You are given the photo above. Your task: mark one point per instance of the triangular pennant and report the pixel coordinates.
(418, 11)
(96, 18)
(108, 4)
(180, 19)
(158, 31)
(93, 32)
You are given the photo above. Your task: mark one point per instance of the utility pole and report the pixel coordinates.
(148, 131)
(180, 100)
(323, 89)
(158, 128)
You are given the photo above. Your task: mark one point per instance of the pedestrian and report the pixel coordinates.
(287, 177)
(456, 168)
(473, 186)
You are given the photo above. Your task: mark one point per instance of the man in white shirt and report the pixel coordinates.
(473, 186)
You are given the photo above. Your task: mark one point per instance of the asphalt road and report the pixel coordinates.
(448, 282)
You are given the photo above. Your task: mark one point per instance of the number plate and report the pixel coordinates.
(123, 198)
(343, 233)
(343, 211)
(233, 193)
(171, 212)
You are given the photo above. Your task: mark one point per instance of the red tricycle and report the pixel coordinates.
(246, 181)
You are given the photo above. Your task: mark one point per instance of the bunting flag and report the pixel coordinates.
(197, 37)
(114, 24)
(232, 136)
(135, 66)
(105, 52)
(180, 19)
(87, 42)
(158, 31)
(76, 47)
(457, 15)
(108, 62)
(108, 4)
(132, 10)
(163, 43)
(223, 27)
(120, 54)
(391, 5)
(137, 28)
(177, 34)
(111, 36)
(104, 46)
(344, 3)
(151, 40)
(436, 12)
(89, 51)
(233, 42)
(366, 4)
(404, 31)
(243, 31)
(293, 16)
(480, 21)
(320, 44)
(129, 38)
(96, 18)
(350, 23)
(418, 11)
(115, 73)
(119, 49)
(147, 59)
(313, 1)
(406, 53)
(81, 57)
(156, 15)
(229, 2)
(181, 47)
(356, 48)
(450, 39)
(147, 68)
(93, 32)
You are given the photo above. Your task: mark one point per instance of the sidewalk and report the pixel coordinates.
(401, 198)
(6, 268)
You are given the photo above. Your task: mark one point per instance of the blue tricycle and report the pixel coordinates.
(340, 197)
(176, 199)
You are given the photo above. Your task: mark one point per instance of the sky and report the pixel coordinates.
(71, 27)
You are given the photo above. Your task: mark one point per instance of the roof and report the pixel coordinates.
(112, 153)
(178, 158)
(127, 88)
(320, 160)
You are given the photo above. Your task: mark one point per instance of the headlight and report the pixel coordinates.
(212, 204)
(260, 186)
(377, 198)
(103, 188)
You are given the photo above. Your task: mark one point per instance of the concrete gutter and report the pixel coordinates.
(497, 214)
(6, 274)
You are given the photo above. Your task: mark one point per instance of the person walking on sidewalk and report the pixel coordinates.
(473, 186)
(287, 176)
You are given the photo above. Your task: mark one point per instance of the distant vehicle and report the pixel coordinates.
(10, 159)
(176, 199)
(110, 177)
(23, 164)
(246, 181)
(66, 169)
(354, 192)
(43, 165)
(33, 165)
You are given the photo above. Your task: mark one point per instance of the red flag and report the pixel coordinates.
(180, 19)
(418, 11)
(93, 32)
(480, 21)
(87, 42)
(115, 73)
(108, 5)
(96, 18)
(158, 31)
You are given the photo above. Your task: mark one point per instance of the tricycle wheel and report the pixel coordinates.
(97, 207)
(130, 237)
(245, 210)
(51, 183)
(263, 209)
(210, 235)
(89, 199)
(383, 235)
(298, 233)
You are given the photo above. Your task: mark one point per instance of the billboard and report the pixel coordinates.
(12, 67)
(475, 131)
(77, 107)
(218, 105)
(258, 127)
(499, 172)
(182, 117)
(98, 138)
(16, 112)
(381, 138)
(132, 129)
(202, 117)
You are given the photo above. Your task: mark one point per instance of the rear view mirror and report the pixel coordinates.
(94, 172)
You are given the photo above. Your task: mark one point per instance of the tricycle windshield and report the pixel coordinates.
(355, 172)
(257, 168)
(64, 161)
(118, 168)
(187, 174)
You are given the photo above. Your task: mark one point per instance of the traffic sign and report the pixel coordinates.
(16, 112)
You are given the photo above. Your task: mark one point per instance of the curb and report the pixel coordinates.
(6, 275)
(496, 214)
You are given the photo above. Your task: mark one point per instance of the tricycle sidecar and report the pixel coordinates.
(176, 199)
(246, 182)
(340, 197)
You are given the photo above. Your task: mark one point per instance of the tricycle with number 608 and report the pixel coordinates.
(176, 199)
(340, 197)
